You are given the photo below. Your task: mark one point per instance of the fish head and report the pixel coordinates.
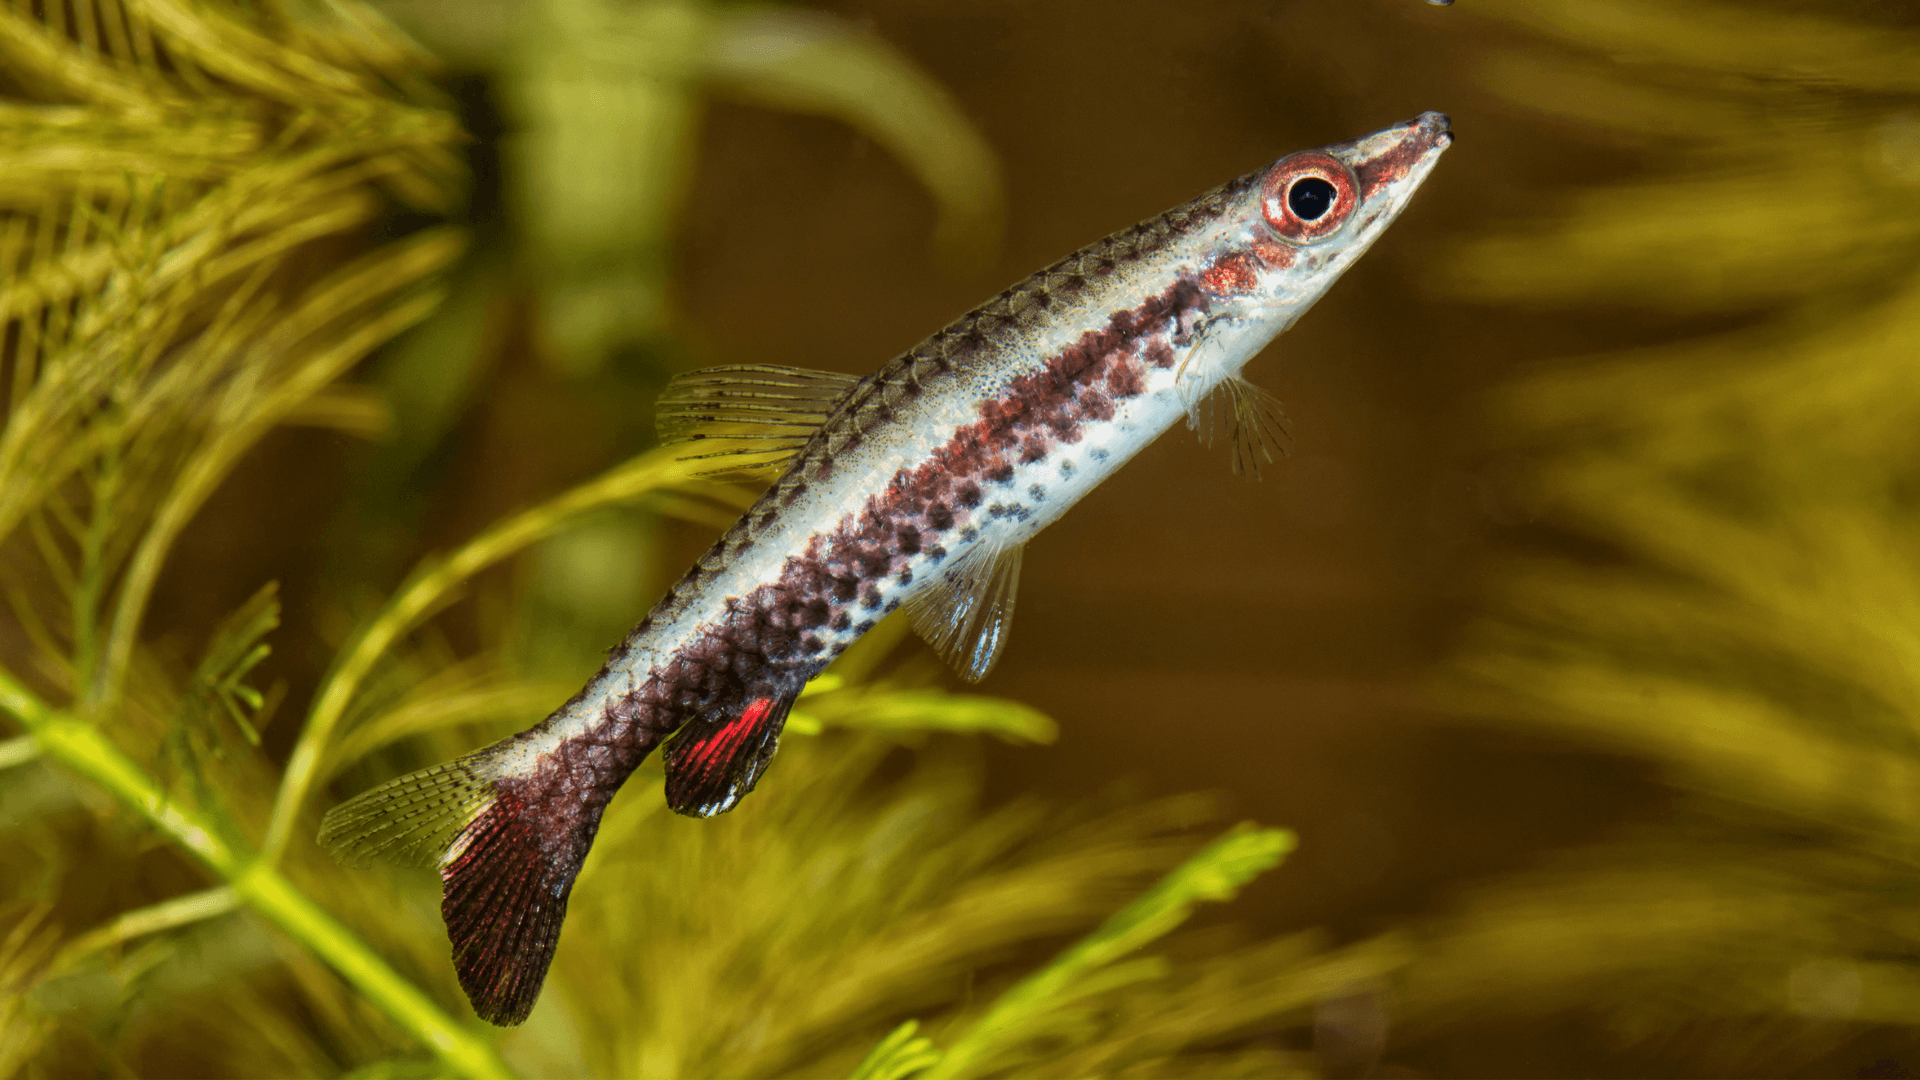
(1303, 220)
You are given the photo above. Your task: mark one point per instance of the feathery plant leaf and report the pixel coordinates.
(26, 951)
(80, 746)
(18, 751)
(170, 169)
(1721, 105)
(901, 1054)
(454, 696)
(830, 701)
(656, 472)
(795, 932)
(1755, 633)
(235, 650)
(157, 918)
(1035, 1006)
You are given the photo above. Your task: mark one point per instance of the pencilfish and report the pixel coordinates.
(914, 487)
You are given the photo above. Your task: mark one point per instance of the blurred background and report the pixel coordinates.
(1578, 637)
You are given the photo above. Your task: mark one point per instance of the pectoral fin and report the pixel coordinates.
(1251, 418)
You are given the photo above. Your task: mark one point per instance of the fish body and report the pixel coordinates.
(914, 486)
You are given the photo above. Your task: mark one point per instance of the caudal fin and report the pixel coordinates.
(507, 852)
(411, 820)
(505, 896)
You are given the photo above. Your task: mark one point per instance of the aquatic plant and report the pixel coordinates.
(1724, 581)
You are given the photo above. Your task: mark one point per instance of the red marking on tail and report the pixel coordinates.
(505, 897)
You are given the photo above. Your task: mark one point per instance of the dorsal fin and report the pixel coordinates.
(1255, 424)
(965, 612)
(749, 417)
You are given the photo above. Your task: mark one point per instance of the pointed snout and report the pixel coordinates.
(1388, 157)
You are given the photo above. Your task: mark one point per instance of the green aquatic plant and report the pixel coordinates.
(1728, 587)
(210, 215)
(171, 175)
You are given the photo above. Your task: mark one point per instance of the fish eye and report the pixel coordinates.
(1306, 198)
(1311, 197)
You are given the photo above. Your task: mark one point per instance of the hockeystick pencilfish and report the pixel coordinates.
(914, 487)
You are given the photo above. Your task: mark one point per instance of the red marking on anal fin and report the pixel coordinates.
(505, 896)
(713, 761)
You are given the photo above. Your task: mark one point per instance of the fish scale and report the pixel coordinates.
(916, 486)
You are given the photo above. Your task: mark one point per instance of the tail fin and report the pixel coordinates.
(507, 849)
(505, 884)
(411, 820)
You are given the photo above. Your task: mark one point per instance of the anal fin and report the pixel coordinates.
(713, 761)
(747, 418)
(965, 612)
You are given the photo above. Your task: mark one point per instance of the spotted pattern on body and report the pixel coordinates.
(776, 637)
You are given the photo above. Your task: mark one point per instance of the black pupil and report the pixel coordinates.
(1310, 198)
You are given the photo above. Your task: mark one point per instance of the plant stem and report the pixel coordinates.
(1216, 873)
(18, 751)
(166, 915)
(83, 749)
(424, 591)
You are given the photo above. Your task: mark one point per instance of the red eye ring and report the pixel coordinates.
(1304, 183)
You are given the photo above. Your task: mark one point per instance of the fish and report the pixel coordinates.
(914, 488)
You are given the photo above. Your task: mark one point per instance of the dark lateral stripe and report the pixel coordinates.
(506, 892)
(1039, 298)
(772, 639)
(970, 341)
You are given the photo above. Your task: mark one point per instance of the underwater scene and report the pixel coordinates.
(512, 511)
